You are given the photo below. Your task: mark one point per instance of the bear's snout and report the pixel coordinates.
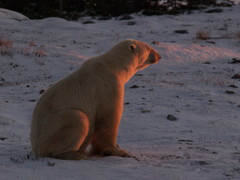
(156, 57)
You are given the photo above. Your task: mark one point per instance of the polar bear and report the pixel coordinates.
(85, 108)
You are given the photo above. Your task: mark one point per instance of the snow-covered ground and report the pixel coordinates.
(192, 82)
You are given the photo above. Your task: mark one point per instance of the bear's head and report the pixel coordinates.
(130, 56)
(144, 55)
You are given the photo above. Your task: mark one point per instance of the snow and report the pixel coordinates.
(8, 14)
(190, 83)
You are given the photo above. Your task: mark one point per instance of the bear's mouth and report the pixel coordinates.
(153, 61)
(156, 59)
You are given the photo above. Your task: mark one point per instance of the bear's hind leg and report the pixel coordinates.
(70, 135)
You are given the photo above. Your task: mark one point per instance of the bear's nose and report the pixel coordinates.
(158, 57)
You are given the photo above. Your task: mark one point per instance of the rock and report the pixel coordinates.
(126, 17)
(181, 31)
(216, 10)
(145, 111)
(131, 23)
(51, 164)
(233, 86)
(126, 103)
(88, 22)
(41, 91)
(104, 18)
(32, 100)
(207, 62)
(14, 65)
(156, 42)
(230, 92)
(236, 76)
(3, 138)
(185, 140)
(199, 163)
(225, 4)
(234, 61)
(171, 117)
(210, 42)
(134, 86)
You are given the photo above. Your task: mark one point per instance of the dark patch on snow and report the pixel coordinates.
(200, 163)
(234, 61)
(207, 62)
(183, 31)
(41, 91)
(3, 138)
(104, 18)
(217, 10)
(171, 117)
(88, 22)
(126, 17)
(230, 92)
(233, 86)
(134, 86)
(131, 23)
(236, 76)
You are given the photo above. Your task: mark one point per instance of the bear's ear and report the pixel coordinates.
(132, 47)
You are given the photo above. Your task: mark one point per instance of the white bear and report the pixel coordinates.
(85, 108)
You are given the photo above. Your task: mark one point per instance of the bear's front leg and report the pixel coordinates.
(108, 116)
(104, 143)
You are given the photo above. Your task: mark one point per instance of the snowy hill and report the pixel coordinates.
(8, 14)
(193, 82)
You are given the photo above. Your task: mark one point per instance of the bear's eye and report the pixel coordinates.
(133, 47)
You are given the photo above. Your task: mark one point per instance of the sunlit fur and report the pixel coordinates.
(86, 107)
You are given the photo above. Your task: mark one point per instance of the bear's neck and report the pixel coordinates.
(122, 66)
